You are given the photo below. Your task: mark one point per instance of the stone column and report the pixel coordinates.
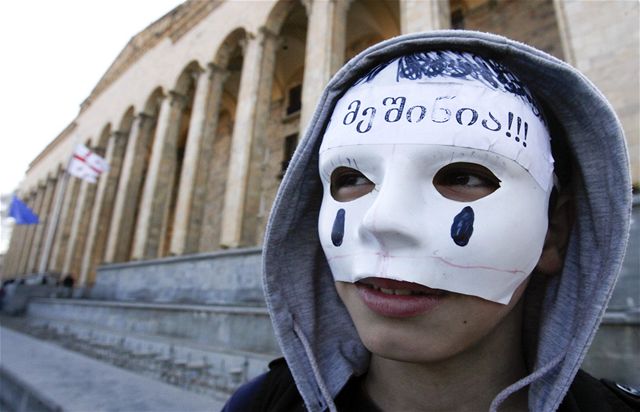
(324, 51)
(24, 238)
(13, 253)
(53, 223)
(35, 205)
(420, 15)
(43, 214)
(79, 225)
(183, 213)
(101, 213)
(22, 242)
(254, 99)
(67, 211)
(157, 186)
(129, 189)
(199, 224)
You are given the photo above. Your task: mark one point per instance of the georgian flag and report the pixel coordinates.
(86, 165)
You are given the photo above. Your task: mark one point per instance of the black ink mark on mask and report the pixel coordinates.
(337, 232)
(486, 126)
(351, 115)
(394, 114)
(365, 112)
(459, 65)
(526, 130)
(462, 227)
(474, 116)
(353, 112)
(441, 114)
(423, 111)
(374, 72)
(509, 124)
(519, 123)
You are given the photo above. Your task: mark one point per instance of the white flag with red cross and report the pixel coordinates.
(87, 165)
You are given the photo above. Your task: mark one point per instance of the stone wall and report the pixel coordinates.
(531, 22)
(225, 277)
(603, 41)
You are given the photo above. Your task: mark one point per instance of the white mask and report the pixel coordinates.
(399, 133)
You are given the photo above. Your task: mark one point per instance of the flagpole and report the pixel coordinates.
(53, 225)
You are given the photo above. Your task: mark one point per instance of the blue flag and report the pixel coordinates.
(21, 212)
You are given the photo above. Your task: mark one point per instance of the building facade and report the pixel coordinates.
(201, 111)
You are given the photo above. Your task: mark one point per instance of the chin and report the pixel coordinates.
(406, 342)
(458, 324)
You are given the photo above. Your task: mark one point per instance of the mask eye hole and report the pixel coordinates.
(465, 182)
(349, 184)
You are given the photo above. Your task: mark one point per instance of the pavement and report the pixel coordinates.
(51, 378)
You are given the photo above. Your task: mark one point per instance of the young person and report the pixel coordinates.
(447, 235)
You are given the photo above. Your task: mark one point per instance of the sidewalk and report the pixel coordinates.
(54, 378)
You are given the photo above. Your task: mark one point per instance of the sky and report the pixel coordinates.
(52, 54)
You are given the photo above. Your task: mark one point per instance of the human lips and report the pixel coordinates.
(398, 299)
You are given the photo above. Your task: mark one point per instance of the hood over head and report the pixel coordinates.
(562, 313)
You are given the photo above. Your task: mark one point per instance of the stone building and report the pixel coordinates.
(201, 111)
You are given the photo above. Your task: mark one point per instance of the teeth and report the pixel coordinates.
(402, 292)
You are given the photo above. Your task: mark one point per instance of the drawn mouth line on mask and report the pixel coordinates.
(385, 258)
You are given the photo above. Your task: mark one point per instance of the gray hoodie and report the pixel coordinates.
(562, 313)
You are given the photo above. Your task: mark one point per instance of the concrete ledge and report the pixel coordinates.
(185, 258)
(20, 396)
(248, 310)
(241, 328)
(225, 277)
(73, 382)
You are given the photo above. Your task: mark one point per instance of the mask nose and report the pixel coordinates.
(393, 219)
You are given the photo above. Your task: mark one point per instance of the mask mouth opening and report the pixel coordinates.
(399, 287)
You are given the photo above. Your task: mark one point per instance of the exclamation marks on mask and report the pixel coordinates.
(519, 128)
(462, 227)
(337, 232)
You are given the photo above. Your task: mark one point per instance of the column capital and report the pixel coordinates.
(144, 116)
(266, 34)
(196, 72)
(177, 99)
(99, 150)
(118, 135)
(216, 70)
(344, 3)
(308, 6)
(213, 67)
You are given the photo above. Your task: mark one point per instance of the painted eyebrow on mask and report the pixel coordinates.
(457, 65)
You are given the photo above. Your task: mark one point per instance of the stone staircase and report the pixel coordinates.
(206, 349)
(206, 340)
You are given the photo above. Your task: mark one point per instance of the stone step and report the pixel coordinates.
(38, 375)
(222, 326)
(223, 277)
(160, 357)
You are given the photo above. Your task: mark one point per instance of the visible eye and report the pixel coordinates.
(465, 182)
(349, 184)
